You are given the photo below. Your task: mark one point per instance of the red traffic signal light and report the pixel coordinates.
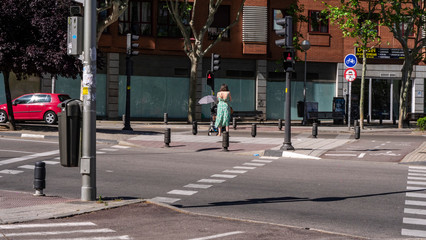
(210, 79)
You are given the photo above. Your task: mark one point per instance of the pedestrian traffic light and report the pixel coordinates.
(131, 45)
(286, 32)
(288, 60)
(210, 79)
(215, 62)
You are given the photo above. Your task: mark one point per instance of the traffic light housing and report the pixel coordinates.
(215, 62)
(131, 45)
(288, 60)
(286, 32)
(210, 79)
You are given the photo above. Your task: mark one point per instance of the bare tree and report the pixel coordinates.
(194, 38)
(115, 8)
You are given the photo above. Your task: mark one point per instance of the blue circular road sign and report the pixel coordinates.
(350, 60)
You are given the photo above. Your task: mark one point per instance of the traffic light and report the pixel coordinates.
(286, 32)
(210, 79)
(288, 60)
(132, 45)
(215, 62)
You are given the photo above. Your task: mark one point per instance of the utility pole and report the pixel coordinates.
(88, 148)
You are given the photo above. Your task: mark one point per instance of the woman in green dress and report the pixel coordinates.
(223, 109)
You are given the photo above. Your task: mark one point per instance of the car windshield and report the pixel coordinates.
(63, 97)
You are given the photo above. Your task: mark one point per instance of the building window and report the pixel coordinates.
(317, 22)
(221, 21)
(137, 19)
(166, 26)
(278, 14)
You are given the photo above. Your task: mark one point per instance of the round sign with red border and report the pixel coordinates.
(350, 74)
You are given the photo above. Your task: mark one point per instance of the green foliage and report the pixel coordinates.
(421, 123)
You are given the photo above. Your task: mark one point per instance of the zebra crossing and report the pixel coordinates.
(60, 231)
(53, 161)
(414, 220)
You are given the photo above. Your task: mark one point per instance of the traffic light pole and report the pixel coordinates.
(287, 114)
(88, 147)
(129, 66)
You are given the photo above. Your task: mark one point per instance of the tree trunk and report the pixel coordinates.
(405, 84)
(12, 124)
(361, 98)
(192, 89)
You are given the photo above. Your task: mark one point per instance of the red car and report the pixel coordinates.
(35, 106)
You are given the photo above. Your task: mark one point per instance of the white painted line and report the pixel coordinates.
(361, 155)
(2, 150)
(415, 211)
(416, 171)
(416, 183)
(203, 186)
(416, 221)
(26, 135)
(24, 158)
(51, 162)
(416, 178)
(242, 167)
(288, 154)
(182, 192)
(223, 176)
(417, 167)
(417, 174)
(272, 158)
(340, 155)
(120, 147)
(124, 237)
(413, 233)
(165, 199)
(31, 167)
(101, 230)
(57, 158)
(7, 171)
(254, 164)
(27, 140)
(235, 171)
(262, 161)
(415, 203)
(418, 195)
(218, 235)
(416, 188)
(211, 181)
(99, 152)
(46, 225)
(108, 149)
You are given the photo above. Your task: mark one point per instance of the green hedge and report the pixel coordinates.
(421, 122)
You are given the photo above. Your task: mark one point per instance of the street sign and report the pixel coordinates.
(350, 74)
(350, 60)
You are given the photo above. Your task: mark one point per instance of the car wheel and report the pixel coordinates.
(3, 116)
(50, 117)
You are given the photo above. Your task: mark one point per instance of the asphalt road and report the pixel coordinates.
(361, 198)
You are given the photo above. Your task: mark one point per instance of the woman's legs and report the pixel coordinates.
(219, 129)
(227, 128)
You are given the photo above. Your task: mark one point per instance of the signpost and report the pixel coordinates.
(350, 76)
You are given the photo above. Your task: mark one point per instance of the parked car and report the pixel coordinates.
(35, 106)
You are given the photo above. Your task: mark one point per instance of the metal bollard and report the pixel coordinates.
(315, 130)
(39, 178)
(357, 132)
(167, 137)
(166, 118)
(194, 127)
(280, 124)
(253, 130)
(381, 119)
(234, 123)
(225, 141)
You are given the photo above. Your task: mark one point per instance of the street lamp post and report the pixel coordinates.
(305, 45)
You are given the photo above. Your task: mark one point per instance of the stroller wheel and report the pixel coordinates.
(209, 133)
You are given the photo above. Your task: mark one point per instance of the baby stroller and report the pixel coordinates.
(213, 128)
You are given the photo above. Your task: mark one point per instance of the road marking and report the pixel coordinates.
(51, 162)
(415, 211)
(165, 199)
(99, 152)
(340, 154)
(203, 186)
(182, 192)
(417, 174)
(272, 158)
(120, 147)
(26, 135)
(262, 161)
(124, 237)
(101, 230)
(254, 164)
(361, 155)
(7, 171)
(416, 188)
(234, 171)
(242, 167)
(416, 183)
(24, 158)
(416, 178)
(5, 150)
(414, 233)
(46, 225)
(218, 235)
(211, 181)
(27, 140)
(418, 195)
(416, 221)
(223, 176)
(31, 167)
(415, 203)
(416, 167)
(108, 149)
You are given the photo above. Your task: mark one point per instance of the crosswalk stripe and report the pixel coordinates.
(417, 167)
(46, 225)
(182, 192)
(415, 203)
(417, 195)
(417, 174)
(416, 183)
(414, 233)
(165, 199)
(234, 171)
(120, 146)
(242, 167)
(31, 167)
(254, 164)
(417, 171)
(415, 188)
(416, 178)
(223, 176)
(124, 237)
(108, 149)
(262, 161)
(203, 186)
(211, 180)
(415, 211)
(52, 162)
(416, 221)
(8, 171)
(101, 230)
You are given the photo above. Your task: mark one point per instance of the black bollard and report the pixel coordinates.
(167, 137)
(253, 130)
(166, 118)
(280, 124)
(234, 123)
(225, 141)
(194, 128)
(357, 132)
(39, 178)
(315, 130)
(381, 119)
